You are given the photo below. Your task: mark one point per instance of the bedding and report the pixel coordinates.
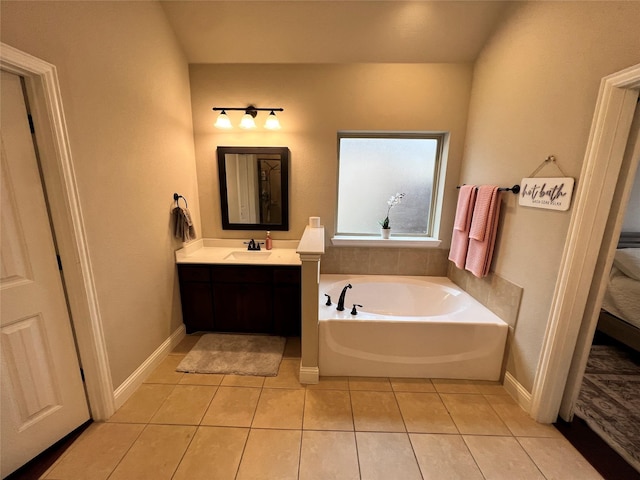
(622, 296)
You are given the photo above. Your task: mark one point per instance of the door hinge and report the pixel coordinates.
(59, 262)
(31, 127)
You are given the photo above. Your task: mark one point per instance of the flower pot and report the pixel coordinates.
(385, 232)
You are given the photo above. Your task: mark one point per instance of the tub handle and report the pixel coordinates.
(353, 310)
(328, 299)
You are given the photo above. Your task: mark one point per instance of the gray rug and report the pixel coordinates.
(235, 354)
(609, 400)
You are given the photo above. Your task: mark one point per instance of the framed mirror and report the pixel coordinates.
(254, 187)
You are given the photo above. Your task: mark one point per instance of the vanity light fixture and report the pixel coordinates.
(247, 121)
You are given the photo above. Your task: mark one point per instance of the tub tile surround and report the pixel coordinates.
(342, 427)
(496, 293)
(384, 261)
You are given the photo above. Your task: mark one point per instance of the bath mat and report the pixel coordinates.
(235, 354)
(609, 401)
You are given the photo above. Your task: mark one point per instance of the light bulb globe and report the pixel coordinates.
(247, 121)
(272, 122)
(223, 121)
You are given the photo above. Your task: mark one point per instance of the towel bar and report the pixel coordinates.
(515, 189)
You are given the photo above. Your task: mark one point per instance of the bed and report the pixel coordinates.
(620, 316)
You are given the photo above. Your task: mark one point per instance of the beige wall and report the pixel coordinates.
(534, 91)
(318, 101)
(125, 90)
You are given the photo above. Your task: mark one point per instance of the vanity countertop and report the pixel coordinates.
(234, 252)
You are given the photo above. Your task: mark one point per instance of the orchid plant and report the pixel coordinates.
(392, 202)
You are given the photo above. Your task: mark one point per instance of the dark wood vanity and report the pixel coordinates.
(226, 287)
(241, 298)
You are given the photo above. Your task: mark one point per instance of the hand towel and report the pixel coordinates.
(460, 236)
(183, 228)
(483, 224)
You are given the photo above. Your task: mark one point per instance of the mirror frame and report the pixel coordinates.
(284, 183)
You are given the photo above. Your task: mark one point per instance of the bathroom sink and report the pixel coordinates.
(247, 255)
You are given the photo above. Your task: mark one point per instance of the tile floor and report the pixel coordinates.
(188, 426)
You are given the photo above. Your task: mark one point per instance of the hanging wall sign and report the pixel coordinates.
(552, 193)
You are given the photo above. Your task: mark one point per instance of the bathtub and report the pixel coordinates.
(407, 327)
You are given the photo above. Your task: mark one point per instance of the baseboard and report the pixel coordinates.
(126, 389)
(520, 394)
(309, 375)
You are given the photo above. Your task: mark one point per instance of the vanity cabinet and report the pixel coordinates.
(241, 298)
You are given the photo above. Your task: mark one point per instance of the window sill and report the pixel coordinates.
(393, 242)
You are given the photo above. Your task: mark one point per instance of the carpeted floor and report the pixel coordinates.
(235, 354)
(609, 400)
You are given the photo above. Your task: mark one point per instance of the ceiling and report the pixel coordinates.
(347, 31)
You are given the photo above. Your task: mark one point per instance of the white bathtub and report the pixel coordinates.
(407, 327)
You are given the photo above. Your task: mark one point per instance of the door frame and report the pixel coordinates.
(68, 225)
(600, 281)
(603, 158)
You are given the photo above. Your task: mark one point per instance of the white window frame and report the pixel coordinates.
(414, 240)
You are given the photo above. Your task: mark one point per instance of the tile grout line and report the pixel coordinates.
(175, 470)
(146, 425)
(127, 451)
(244, 448)
(448, 411)
(529, 457)
(413, 450)
(499, 416)
(304, 404)
(251, 428)
(475, 460)
(353, 423)
(197, 426)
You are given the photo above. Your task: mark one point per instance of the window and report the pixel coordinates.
(374, 166)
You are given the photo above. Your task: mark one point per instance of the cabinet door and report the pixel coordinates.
(195, 296)
(242, 308)
(197, 308)
(287, 301)
(287, 310)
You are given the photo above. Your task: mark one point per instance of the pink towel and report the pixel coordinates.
(460, 236)
(484, 226)
(481, 211)
(464, 208)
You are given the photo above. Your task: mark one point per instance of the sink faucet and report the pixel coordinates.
(252, 245)
(340, 306)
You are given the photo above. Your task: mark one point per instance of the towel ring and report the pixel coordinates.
(177, 198)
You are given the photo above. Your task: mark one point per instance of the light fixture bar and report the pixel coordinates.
(250, 108)
(247, 121)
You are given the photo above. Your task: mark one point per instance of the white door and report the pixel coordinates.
(42, 394)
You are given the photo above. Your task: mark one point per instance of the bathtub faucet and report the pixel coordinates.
(340, 306)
